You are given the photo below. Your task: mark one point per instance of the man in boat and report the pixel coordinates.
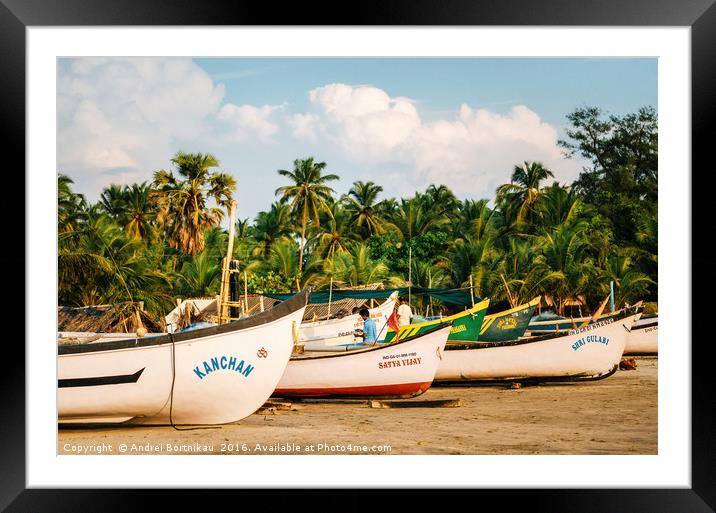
(405, 314)
(369, 332)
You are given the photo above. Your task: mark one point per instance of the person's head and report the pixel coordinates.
(364, 313)
(403, 300)
(355, 310)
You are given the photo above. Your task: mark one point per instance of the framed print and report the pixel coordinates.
(54, 54)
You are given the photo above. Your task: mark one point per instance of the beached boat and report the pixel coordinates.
(323, 335)
(210, 375)
(591, 352)
(465, 325)
(643, 337)
(556, 323)
(401, 369)
(509, 324)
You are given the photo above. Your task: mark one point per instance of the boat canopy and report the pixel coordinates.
(459, 297)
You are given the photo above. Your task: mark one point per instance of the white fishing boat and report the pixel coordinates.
(333, 333)
(211, 375)
(590, 352)
(401, 369)
(644, 337)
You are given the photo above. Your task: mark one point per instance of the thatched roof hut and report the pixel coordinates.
(118, 318)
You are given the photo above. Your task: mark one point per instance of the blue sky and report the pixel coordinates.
(402, 123)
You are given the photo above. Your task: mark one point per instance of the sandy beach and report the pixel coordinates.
(616, 415)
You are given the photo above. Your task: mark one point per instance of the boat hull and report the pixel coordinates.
(401, 369)
(586, 353)
(556, 325)
(211, 376)
(643, 338)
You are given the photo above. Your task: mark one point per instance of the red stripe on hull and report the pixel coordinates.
(401, 390)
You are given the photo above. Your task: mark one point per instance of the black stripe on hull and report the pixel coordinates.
(526, 380)
(101, 380)
(279, 311)
(644, 326)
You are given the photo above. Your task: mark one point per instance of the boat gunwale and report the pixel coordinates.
(284, 309)
(518, 308)
(644, 326)
(527, 340)
(378, 346)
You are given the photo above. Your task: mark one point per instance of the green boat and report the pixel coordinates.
(508, 325)
(465, 325)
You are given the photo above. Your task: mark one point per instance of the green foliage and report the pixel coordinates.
(396, 253)
(622, 179)
(268, 282)
(154, 242)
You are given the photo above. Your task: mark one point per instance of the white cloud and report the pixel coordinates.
(364, 121)
(125, 113)
(304, 126)
(472, 153)
(247, 121)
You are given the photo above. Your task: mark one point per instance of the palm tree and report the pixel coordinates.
(199, 276)
(308, 193)
(361, 203)
(282, 262)
(561, 205)
(71, 207)
(183, 203)
(271, 226)
(518, 197)
(630, 283)
(139, 211)
(112, 201)
(440, 200)
(413, 220)
(473, 217)
(336, 233)
(424, 274)
(99, 264)
(521, 276)
(469, 256)
(568, 271)
(355, 267)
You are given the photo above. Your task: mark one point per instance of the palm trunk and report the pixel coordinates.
(303, 238)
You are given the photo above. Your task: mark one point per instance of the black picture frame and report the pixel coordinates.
(16, 15)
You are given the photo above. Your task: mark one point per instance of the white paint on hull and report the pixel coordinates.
(644, 340)
(556, 356)
(220, 396)
(411, 361)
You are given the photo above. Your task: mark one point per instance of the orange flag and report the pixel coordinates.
(393, 324)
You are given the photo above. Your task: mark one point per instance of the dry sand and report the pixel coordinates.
(616, 415)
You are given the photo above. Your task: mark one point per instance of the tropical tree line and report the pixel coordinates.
(159, 240)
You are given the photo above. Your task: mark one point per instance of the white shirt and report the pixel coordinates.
(404, 314)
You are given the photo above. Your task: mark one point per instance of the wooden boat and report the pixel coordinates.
(509, 324)
(559, 323)
(591, 352)
(322, 335)
(401, 369)
(211, 375)
(465, 325)
(643, 337)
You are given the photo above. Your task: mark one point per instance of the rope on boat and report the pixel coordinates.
(171, 395)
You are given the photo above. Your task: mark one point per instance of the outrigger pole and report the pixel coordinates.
(223, 294)
(410, 273)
